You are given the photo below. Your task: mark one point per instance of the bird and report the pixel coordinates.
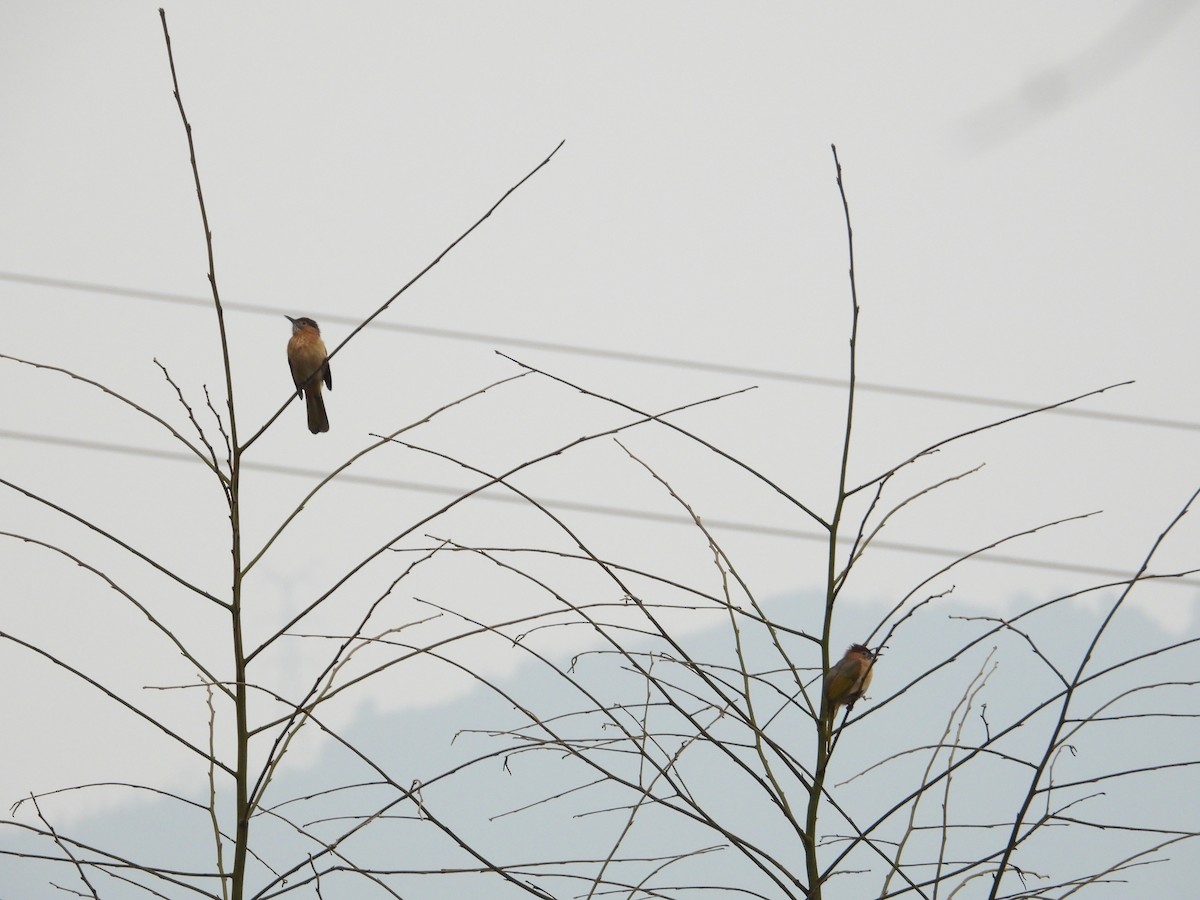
(849, 678)
(307, 358)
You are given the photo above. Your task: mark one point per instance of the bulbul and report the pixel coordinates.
(307, 360)
(848, 680)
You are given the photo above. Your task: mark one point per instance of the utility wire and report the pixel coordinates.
(622, 355)
(595, 508)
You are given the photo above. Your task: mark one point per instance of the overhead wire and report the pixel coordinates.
(621, 355)
(584, 507)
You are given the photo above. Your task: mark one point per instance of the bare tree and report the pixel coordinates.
(703, 729)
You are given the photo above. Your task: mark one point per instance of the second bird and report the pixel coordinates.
(307, 360)
(849, 678)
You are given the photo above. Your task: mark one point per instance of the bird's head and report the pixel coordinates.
(301, 323)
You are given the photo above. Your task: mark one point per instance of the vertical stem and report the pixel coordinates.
(832, 585)
(242, 803)
(825, 726)
(232, 496)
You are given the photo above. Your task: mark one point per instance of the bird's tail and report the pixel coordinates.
(318, 421)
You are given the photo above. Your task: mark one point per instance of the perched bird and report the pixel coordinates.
(307, 359)
(849, 679)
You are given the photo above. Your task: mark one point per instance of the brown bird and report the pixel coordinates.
(307, 360)
(848, 680)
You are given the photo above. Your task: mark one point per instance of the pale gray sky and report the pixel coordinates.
(1026, 204)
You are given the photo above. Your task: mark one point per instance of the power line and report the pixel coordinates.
(621, 355)
(593, 508)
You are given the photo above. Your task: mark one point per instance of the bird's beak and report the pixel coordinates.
(289, 318)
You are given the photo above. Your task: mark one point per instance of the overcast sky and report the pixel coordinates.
(1023, 185)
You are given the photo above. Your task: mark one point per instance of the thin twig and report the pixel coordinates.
(388, 302)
